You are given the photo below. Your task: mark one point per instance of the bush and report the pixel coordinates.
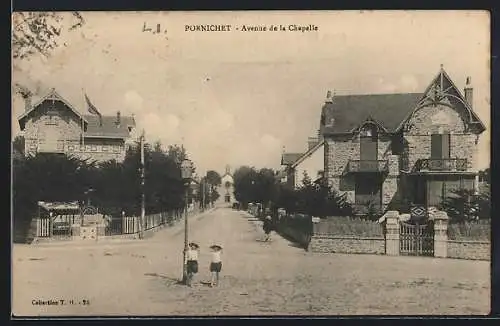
(470, 231)
(462, 205)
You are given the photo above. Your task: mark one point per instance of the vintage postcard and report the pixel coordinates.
(251, 163)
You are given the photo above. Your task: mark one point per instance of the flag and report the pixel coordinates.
(92, 109)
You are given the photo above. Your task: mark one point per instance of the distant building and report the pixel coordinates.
(226, 190)
(53, 125)
(310, 163)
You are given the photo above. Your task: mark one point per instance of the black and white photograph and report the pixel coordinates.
(250, 163)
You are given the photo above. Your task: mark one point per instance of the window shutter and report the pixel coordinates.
(445, 139)
(436, 146)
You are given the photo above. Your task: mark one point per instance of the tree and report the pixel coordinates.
(214, 178)
(461, 205)
(485, 175)
(39, 32)
(18, 146)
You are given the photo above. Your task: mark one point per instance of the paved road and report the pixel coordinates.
(258, 278)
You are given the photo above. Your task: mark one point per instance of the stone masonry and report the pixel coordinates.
(339, 149)
(68, 127)
(439, 119)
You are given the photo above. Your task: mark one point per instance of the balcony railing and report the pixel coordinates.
(367, 166)
(442, 164)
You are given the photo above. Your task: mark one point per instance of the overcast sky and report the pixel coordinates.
(239, 97)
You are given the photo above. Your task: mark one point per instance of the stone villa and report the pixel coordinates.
(53, 125)
(397, 151)
(400, 151)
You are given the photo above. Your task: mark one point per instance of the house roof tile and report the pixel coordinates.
(347, 112)
(109, 127)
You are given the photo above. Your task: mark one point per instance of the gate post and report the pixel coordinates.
(440, 234)
(392, 233)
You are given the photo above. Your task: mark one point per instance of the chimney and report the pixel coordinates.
(118, 118)
(311, 142)
(468, 91)
(27, 102)
(329, 97)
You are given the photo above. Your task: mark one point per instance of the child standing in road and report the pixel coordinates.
(267, 226)
(215, 264)
(191, 262)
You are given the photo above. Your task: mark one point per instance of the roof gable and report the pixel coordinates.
(51, 95)
(307, 154)
(443, 91)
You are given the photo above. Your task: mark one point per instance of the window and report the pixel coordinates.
(93, 148)
(104, 148)
(51, 120)
(440, 146)
(368, 143)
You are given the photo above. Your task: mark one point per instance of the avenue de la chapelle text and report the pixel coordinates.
(251, 28)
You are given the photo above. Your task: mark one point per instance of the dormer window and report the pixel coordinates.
(368, 130)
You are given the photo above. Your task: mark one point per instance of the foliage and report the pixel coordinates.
(470, 231)
(462, 205)
(116, 186)
(315, 199)
(485, 175)
(213, 178)
(48, 177)
(39, 32)
(18, 145)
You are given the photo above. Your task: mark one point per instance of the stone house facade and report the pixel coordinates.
(53, 125)
(397, 151)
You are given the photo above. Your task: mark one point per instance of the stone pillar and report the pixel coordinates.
(315, 221)
(440, 234)
(392, 233)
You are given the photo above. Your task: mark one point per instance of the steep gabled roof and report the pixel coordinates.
(390, 111)
(290, 158)
(348, 112)
(51, 95)
(307, 154)
(442, 88)
(93, 126)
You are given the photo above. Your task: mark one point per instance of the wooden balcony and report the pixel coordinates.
(441, 165)
(363, 166)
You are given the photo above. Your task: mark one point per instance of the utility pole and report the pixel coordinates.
(203, 194)
(143, 190)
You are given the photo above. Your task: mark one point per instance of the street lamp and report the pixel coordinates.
(186, 174)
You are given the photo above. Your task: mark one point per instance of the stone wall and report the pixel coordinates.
(474, 250)
(346, 245)
(439, 119)
(38, 121)
(339, 150)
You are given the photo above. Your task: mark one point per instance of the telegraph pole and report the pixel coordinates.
(203, 194)
(143, 190)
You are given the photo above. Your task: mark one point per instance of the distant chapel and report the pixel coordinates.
(226, 189)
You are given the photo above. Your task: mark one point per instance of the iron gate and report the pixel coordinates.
(416, 239)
